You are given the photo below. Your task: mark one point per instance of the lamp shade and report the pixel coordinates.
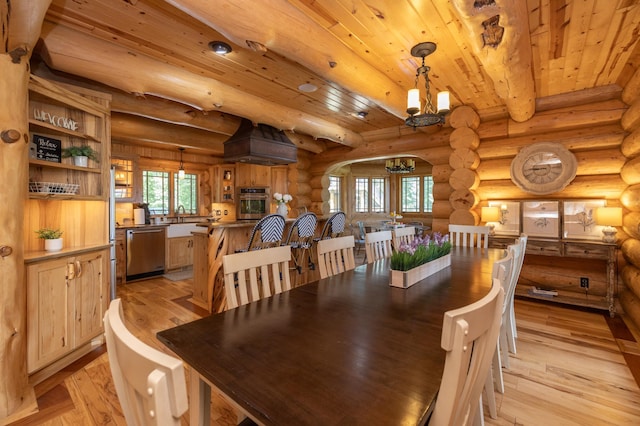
(609, 216)
(413, 101)
(490, 214)
(443, 101)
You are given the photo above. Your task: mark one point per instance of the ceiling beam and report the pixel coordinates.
(132, 72)
(507, 62)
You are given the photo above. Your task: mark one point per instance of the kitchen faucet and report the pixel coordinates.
(178, 212)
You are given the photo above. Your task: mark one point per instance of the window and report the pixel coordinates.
(160, 195)
(335, 194)
(413, 197)
(370, 194)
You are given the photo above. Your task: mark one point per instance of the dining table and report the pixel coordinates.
(345, 350)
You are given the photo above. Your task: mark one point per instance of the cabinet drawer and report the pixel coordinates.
(547, 248)
(586, 250)
(500, 243)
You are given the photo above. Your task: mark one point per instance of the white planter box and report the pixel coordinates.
(405, 279)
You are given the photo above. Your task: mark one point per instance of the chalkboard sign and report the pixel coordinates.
(47, 149)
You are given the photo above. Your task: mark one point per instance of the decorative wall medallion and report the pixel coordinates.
(543, 168)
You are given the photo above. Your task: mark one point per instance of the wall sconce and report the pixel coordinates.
(181, 169)
(488, 215)
(609, 217)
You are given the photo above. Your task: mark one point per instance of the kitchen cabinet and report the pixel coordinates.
(121, 256)
(125, 172)
(58, 119)
(279, 180)
(252, 175)
(179, 252)
(224, 183)
(66, 300)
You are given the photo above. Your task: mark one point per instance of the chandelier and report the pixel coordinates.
(430, 116)
(400, 165)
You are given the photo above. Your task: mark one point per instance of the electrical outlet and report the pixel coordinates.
(584, 282)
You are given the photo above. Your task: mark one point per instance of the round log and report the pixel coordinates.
(631, 144)
(320, 194)
(303, 200)
(464, 116)
(463, 217)
(631, 91)
(442, 191)
(464, 159)
(440, 225)
(631, 118)
(319, 181)
(631, 251)
(630, 172)
(631, 305)
(441, 209)
(464, 179)
(441, 173)
(631, 278)
(631, 225)
(630, 198)
(463, 199)
(464, 138)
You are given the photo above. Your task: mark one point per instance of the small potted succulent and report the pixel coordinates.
(52, 238)
(81, 154)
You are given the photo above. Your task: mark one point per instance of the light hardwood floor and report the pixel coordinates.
(569, 369)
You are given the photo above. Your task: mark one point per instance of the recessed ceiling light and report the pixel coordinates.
(362, 114)
(307, 87)
(219, 47)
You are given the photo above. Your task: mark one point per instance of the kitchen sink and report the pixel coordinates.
(181, 229)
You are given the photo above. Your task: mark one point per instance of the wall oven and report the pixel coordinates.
(253, 202)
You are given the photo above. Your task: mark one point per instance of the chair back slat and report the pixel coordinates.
(253, 275)
(377, 245)
(469, 236)
(335, 255)
(146, 380)
(403, 236)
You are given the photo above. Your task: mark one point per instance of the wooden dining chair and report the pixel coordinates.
(150, 384)
(377, 245)
(512, 332)
(300, 238)
(469, 236)
(335, 255)
(403, 236)
(266, 233)
(254, 275)
(469, 336)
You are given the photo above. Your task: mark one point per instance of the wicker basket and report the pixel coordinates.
(53, 187)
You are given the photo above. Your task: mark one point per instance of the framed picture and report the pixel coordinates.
(541, 218)
(509, 223)
(578, 220)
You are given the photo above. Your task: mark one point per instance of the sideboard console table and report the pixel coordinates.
(584, 250)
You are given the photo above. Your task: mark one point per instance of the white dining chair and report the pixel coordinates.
(256, 274)
(150, 384)
(377, 245)
(403, 236)
(469, 236)
(511, 329)
(335, 255)
(469, 336)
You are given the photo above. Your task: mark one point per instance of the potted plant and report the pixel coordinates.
(52, 238)
(81, 154)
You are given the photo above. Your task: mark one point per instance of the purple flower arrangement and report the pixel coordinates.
(420, 251)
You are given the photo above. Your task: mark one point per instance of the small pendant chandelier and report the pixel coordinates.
(400, 165)
(181, 169)
(430, 116)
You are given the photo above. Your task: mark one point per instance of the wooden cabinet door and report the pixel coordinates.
(91, 293)
(49, 312)
(179, 252)
(253, 175)
(121, 256)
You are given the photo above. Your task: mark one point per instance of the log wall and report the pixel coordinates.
(630, 290)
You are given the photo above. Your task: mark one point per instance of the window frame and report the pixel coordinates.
(425, 195)
(372, 182)
(171, 195)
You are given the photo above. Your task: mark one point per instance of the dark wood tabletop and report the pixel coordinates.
(345, 350)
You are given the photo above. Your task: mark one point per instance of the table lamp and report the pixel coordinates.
(609, 217)
(488, 215)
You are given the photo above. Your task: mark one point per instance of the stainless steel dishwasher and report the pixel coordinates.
(145, 252)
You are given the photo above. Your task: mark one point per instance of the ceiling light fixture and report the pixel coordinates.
(400, 165)
(430, 115)
(362, 114)
(220, 47)
(181, 169)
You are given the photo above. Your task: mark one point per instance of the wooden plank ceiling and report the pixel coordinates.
(153, 56)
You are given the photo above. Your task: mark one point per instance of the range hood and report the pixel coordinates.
(261, 144)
